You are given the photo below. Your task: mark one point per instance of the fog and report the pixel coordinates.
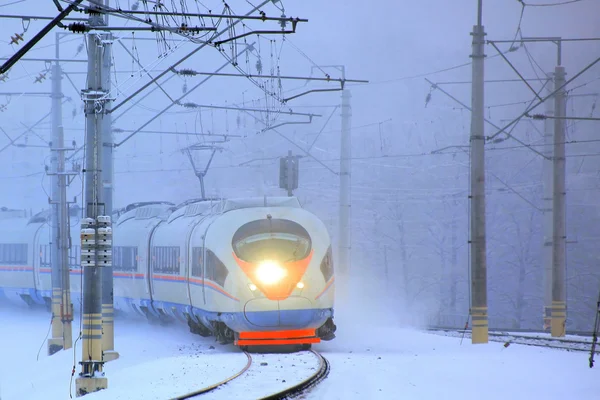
(410, 215)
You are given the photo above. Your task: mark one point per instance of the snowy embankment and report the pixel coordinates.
(410, 364)
(156, 362)
(366, 362)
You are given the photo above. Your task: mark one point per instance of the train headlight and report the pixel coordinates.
(270, 272)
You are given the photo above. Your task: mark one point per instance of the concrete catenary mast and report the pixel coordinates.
(95, 248)
(479, 311)
(345, 181)
(547, 209)
(559, 300)
(108, 337)
(61, 306)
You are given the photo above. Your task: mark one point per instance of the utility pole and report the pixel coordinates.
(559, 300)
(547, 209)
(62, 308)
(290, 175)
(344, 241)
(108, 327)
(57, 342)
(479, 311)
(92, 379)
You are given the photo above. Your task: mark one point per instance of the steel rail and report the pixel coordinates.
(218, 384)
(504, 330)
(548, 342)
(536, 341)
(306, 384)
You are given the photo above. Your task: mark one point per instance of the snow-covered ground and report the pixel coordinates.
(366, 362)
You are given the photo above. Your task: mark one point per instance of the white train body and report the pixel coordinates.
(249, 271)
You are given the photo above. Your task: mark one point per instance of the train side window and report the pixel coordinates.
(197, 261)
(327, 265)
(125, 258)
(215, 269)
(165, 259)
(130, 261)
(13, 253)
(44, 256)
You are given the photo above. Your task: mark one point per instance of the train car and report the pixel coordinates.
(251, 272)
(25, 256)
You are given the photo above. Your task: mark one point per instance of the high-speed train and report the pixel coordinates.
(256, 271)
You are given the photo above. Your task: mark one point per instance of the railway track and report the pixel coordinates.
(252, 382)
(530, 339)
(306, 384)
(210, 388)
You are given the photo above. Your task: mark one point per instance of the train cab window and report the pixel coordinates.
(125, 258)
(13, 253)
(271, 239)
(45, 256)
(166, 260)
(197, 261)
(216, 271)
(327, 265)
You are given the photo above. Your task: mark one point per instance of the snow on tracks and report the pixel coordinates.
(273, 376)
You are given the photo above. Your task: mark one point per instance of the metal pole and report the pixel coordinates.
(55, 343)
(344, 244)
(108, 329)
(91, 379)
(479, 311)
(66, 306)
(547, 210)
(290, 175)
(559, 301)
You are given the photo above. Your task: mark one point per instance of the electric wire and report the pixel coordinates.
(562, 3)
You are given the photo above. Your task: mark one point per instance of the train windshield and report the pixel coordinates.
(271, 239)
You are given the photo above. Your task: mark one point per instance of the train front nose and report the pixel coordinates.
(292, 312)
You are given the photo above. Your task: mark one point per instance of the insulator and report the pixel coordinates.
(88, 223)
(259, 68)
(187, 72)
(88, 237)
(107, 263)
(87, 254)
(105, 232)
(105, 257)
(103, 219)
(78, 27)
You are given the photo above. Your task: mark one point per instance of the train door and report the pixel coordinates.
(193, 260)
(151, 262)
(36, 253)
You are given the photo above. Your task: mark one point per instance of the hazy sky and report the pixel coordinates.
(385, 42)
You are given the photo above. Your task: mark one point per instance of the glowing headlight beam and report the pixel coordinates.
(270, 272)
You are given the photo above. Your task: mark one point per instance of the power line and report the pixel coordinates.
(562, 3)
